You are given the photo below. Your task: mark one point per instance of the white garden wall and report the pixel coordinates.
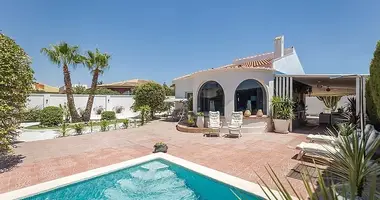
(315, 106)
(108, 102)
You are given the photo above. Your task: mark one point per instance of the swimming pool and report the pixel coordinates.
(157, 176)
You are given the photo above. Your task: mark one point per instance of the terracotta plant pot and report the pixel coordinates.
(281, 125)
(259, 113)
(247, 113)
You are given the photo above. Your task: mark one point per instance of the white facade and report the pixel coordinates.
(229, 80)
(259, 67)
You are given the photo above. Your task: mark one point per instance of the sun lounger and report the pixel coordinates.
(314, 149)
(321, 138)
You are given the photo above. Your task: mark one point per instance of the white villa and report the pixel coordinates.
(250, 82)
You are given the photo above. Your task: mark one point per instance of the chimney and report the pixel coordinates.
(279, 47)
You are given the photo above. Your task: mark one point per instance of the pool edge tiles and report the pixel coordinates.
(204, 171)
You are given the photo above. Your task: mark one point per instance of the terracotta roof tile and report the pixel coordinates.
(260, 61)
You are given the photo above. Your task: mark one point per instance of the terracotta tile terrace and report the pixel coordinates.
(242, 157)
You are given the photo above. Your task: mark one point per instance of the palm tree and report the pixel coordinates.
(96, 62)
(65, 55)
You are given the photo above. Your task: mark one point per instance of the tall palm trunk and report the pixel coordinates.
(90, 101)
(69, 93)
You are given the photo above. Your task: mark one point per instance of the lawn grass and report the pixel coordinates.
(70, 125)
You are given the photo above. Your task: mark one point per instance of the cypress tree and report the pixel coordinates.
(373, 96)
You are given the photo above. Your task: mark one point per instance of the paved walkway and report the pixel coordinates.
(50, 159)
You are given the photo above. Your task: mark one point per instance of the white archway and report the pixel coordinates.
(251, 94)
(211, 97)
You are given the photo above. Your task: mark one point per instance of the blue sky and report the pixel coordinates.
(161, 40)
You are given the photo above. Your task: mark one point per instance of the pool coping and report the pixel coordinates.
(205, 171)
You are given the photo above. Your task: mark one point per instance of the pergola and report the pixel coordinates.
(326, 85)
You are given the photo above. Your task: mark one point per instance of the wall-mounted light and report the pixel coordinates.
(328, 89)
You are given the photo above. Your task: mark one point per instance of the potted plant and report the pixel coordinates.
(282, 113)
(160, 147)
(200, 120)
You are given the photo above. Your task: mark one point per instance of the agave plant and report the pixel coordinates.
(351, 166)
(351, 174)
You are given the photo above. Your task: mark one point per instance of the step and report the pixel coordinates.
(152, 175)
(155, 165)
(175, 194)
(150, 186)
(249, 130)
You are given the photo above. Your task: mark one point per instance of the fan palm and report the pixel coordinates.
(96, 62)
(65, 55)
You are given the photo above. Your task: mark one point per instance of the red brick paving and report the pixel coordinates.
(51, 159)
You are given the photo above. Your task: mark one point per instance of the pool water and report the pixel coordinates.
(154, 180)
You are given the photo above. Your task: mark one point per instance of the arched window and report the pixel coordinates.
(250, 95)
(211, 97)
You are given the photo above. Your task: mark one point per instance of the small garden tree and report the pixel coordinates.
(373, 93)
(169, 91)
(16, 80)
(149, 94)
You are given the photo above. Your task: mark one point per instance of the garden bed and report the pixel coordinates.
(187, 129)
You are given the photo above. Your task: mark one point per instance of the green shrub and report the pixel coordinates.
(51, 116)
(126, 123)
(98, 110)
(79, 128)
(108, 115)
(104, 125)
(32, 115)
(118, 109)
(191, 122)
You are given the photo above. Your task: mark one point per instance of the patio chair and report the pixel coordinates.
(314, 149)
(214, 124)
(234, 127)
